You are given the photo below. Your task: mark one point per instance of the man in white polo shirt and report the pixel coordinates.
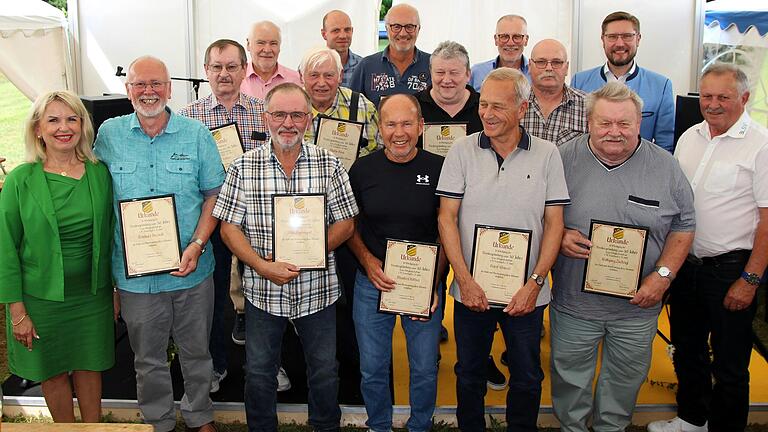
(507, 178)
(713, 298)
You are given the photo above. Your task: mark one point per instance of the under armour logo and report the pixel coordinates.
(422, 178)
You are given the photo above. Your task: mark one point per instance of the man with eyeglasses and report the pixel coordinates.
(507, 178)
(511, 38)
(555, 112)
(400, 67)
(154, 152)
(264, 72)
(621, 37)
(225, 62)
(279, 291)
(337, 31)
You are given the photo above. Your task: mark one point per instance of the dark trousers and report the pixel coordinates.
(264, 335)
(697, 315)
(219, 344)
(474, 337)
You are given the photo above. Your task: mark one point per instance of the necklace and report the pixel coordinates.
(62, 172)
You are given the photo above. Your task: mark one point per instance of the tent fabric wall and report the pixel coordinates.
(34, 51)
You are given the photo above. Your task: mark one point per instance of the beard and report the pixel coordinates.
(149, 111)
(287, 143)
(622, 62)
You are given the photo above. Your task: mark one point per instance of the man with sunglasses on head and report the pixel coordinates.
(510, 38)
(555, 112)
(621, 37)
(400, 67)
(278, 291)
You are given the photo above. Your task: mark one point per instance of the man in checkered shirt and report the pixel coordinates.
(278, 291)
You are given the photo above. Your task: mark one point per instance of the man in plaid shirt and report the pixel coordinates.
(278, 291)
(556, 112)
(225, 63)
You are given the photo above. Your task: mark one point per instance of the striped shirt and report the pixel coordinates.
(248, 113)
(366, 114)
(246, 200)
(567, 121)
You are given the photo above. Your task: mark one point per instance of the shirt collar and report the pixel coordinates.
(249, 71)
(171, 127)
(523, 63)
(525, 140)
(605, 72)
(737, 130)
(416, 54)
(211, 102)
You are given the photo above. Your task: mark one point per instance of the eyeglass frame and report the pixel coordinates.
(402, 27)
(560, 63)
(293, 114)
(625, 37)
(233, 66)
(142, 86)
(505, 37)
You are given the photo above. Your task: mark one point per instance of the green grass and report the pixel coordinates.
(14, 107)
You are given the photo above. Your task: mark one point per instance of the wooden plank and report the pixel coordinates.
(76, 427)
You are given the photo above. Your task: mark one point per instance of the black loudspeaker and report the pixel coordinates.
(102, 108)
(687, 113)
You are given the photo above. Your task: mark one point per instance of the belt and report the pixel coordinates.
(733, 257)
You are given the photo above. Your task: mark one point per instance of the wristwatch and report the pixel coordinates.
(751, 278)
(539, 279)
(200, 243)
(664, 272)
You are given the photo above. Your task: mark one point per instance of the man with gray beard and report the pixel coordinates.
(278, 291)
(157, 152)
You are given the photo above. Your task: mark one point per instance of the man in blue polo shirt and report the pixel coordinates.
(511, 38)
(156, 152)
(621, 37)
(400, 67)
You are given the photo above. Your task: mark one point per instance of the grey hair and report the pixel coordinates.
(719, 68)
(522, 86)
(448, 50)
(317, 56)
(613, 92)
(287, 87)
(512, 17)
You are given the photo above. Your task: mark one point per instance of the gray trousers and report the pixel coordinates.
(151, 319)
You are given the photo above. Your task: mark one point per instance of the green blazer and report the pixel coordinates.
(30, 249)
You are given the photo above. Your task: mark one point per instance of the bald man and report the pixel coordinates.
(556, 112)
(400, 67)
(337, 31)
(511, 38)
(264, 72)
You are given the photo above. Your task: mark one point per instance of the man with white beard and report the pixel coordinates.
(277, 291)
(157, 152)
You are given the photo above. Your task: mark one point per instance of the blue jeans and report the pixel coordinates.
(474, 337)
(374, 336)
(317, 333)
(220, 335)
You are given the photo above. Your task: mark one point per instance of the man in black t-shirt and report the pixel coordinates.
(395, 191)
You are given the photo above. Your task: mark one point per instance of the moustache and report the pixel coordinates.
(619, 139)
(714, 111)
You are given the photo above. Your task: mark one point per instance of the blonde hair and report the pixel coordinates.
(34, 146)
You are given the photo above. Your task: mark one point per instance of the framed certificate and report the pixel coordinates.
(500, 259)
(229, 143)
(299, 230)
(340, 137)
(615, 263)
(413, 267)
(150, 235)
(439, 137)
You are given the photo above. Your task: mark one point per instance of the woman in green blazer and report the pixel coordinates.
(56, 222)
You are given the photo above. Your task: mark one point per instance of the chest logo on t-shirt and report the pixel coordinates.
(422, 179)
(382, 82)
(417, 83)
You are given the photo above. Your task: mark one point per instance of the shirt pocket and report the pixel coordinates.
(181, 176)
(642, 211)
(124, 178)
(721, 178)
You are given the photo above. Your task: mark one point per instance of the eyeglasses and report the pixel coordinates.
(542, 64)
(280, 116)
(154, 85)
(504, 37)
(217, 68)
(626, 37)
(409, 28)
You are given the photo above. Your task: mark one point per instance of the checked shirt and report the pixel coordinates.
(567, 121)
(248, 113)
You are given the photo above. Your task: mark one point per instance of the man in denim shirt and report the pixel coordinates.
(156, 152)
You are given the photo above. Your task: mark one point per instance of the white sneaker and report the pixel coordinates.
(283, 382)
(216, 379)
(675, 425)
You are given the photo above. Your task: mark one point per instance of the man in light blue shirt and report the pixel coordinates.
(511, 38)
(156, 152)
